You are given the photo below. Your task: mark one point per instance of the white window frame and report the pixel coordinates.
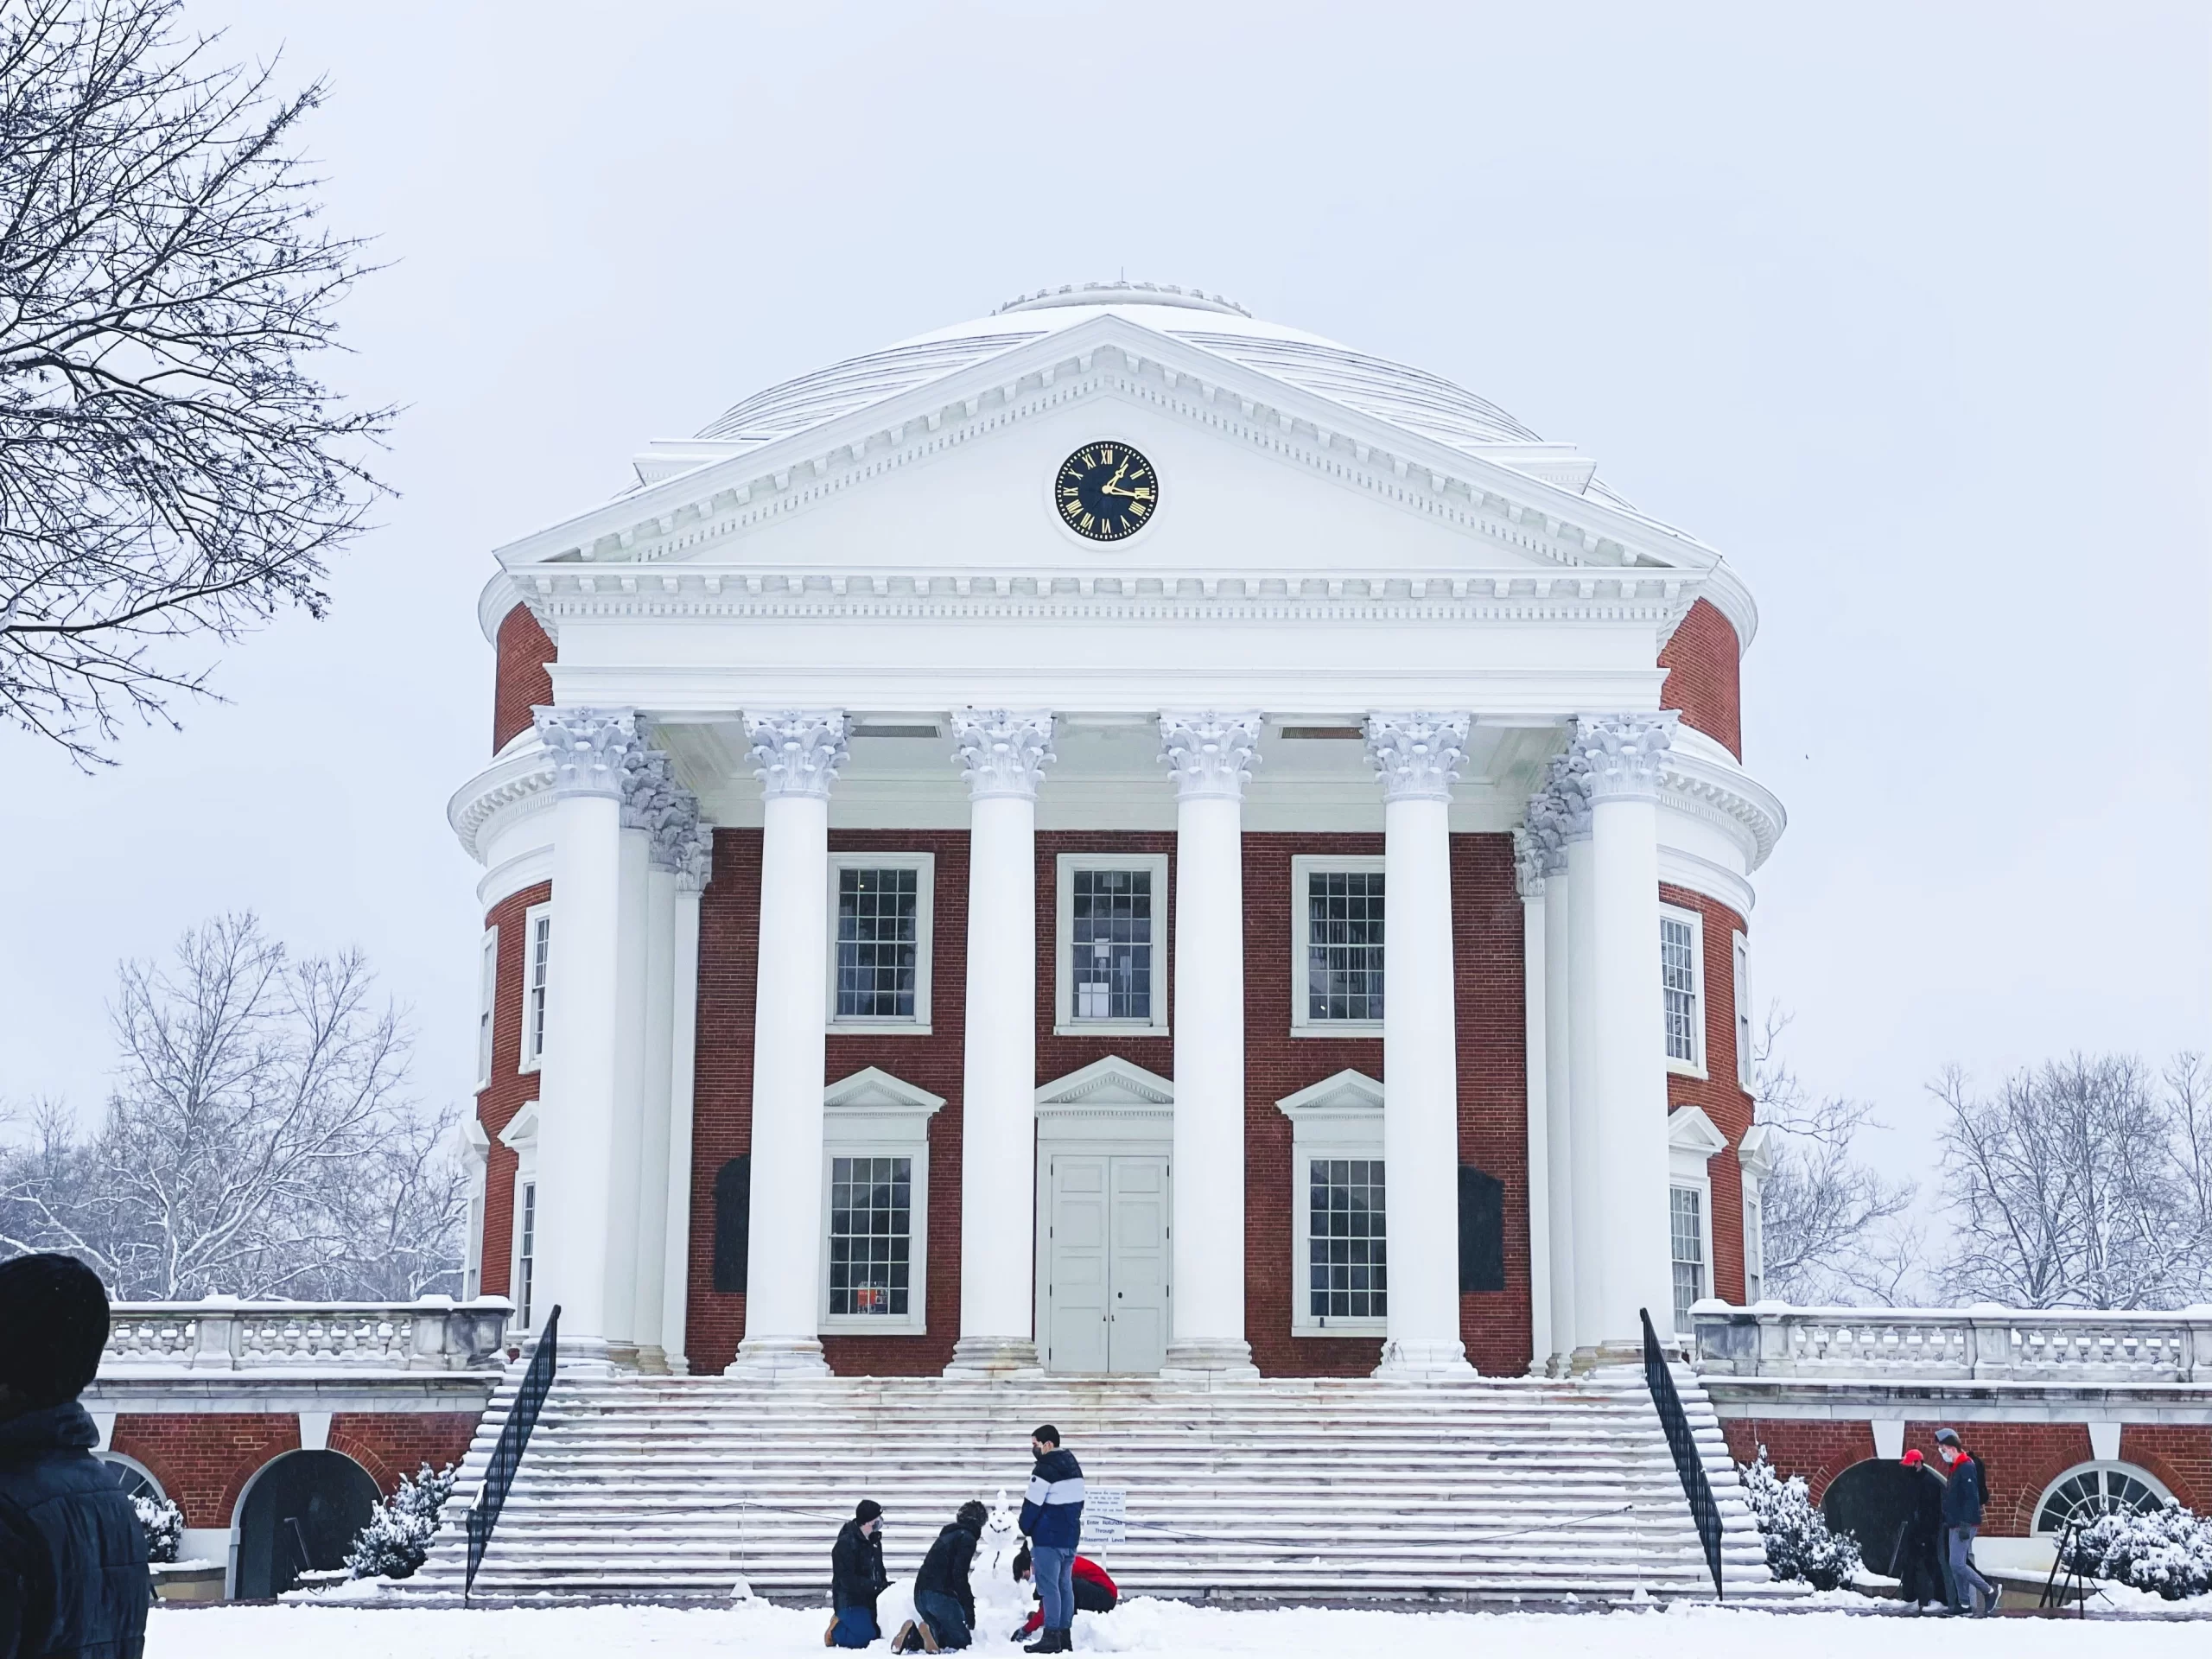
(917, 1023)
(1740, 954)
(1303, 867)
(1692, 1139)
(1756, 1162)
(1694, 1066)
(487, 1005)
(520, 1137)
(1064, 1022)
(1340, 1116)
(1703, 1193)
(2099, 1466)
(875, 1115)
(531, 1042)
(476, 1149)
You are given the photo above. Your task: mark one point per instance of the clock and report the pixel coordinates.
(1106, 491)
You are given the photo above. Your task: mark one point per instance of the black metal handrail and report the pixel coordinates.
(1704, 1510)
(514, 1439)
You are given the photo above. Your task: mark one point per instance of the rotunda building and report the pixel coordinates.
(1116, 837)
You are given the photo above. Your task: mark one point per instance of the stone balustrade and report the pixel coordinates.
(224, 1334)
(1982, 1342)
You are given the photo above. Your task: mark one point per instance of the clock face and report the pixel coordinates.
(1106, 491)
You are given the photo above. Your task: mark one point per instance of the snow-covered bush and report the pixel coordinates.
(399, 1534)
(164, 1525)
(1798, 1542)
(2168, 1552)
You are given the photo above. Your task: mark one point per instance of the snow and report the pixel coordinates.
(759, 1631)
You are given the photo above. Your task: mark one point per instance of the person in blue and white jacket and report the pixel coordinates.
(1051, 1519)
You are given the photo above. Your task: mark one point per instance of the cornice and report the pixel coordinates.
(1725, 796)
(515, 780)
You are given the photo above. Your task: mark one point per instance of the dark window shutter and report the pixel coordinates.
(1481, 1230)
(733, 1221)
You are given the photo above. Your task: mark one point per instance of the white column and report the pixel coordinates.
(675, 814)
(1622, 756)
(796, 753)
(1417, 756)
(649, 785)
(594, 751)
(693, 868)
(1547, 827)
(1528, 877)
(1581, 1067)
(1002, 754)
(1211, 757)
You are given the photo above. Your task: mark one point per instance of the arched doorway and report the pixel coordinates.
(300, 1512)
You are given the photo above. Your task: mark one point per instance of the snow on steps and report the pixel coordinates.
(1289, 1489)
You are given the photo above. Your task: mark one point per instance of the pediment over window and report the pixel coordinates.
(1110, 1082)
(1691, 1139)
(522, 1129)
(1348, 1094)
(874, 1089)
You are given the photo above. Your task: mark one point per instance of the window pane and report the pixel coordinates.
(870, 1216)
(526, 1257)
(1344, 944)
(1678, 973)
(1345, 1243)
(541, 956)
(877, 942)
(1111, 940)
(1686, 1210)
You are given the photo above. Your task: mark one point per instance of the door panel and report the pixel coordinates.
(1076, 1288)
(1139, 1264)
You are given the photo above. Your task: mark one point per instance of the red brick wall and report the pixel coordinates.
(391, 1444)
(1717, 1093)
(721, 1121)
(2179, 1455)
(1818, 1449)
(1703, 675)
(1493, 1063)
(523, 683)
(511, 1088)
(203, 1460)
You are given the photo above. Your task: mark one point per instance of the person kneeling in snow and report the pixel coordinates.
(1095, 1592)
(943, 1600)
(857, 1578)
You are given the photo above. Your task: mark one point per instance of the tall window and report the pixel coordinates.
(878, 943)
(538, 967)
(1687, 1214)
(1347, 1270)
(871, 1235)
(1743, 961)
(1754, 1250)
(1344, 945)
(1111, 942)
(1678, 973)
(526, 1252)
(487, 996)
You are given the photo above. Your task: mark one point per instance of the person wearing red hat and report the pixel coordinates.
(1918, 1562)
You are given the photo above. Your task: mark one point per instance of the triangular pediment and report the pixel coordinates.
(522, 1128)
(1110, 1082)
(875, 1091)
(1347, 1093)
(1689, 1130)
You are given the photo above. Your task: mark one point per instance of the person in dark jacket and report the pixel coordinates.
(857, 1578)
(1918, 1562)
(1095, 1591)
(943, 1600)
(1051, 1519)
(1964, 1494)
(73, 1556)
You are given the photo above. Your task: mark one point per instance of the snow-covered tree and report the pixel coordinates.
(2168, 1551)
(170, 468)
(2085, 1183)
(259, 1139)
(163, 1523)
(1798, 1542)
(398, 1537)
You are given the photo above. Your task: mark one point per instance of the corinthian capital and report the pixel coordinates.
(796, 751)
(1529, 867)
(675, 819)
(1564, 802)
(649, 794)
(1417, 755)
(1002, 751)
(694, 855)
(593, 749)
(1210, 754)
(1622, 756)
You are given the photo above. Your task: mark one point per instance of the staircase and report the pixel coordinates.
(1305, 1490)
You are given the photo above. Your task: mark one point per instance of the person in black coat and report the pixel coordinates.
(73, 1555)
(857, 1578)
(1918, 1562)
(943, 1599)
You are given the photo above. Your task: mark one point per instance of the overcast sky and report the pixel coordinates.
(1904, 308)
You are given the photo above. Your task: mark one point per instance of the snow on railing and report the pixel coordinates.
(1950, 1344)
(222, 1333)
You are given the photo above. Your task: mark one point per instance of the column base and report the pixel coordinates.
(989, 1356)
(1620, 1351)
(579, 1355)
(1582, 1361)
(1225, 1357)
(1415, 1357)
(776, 1359)
(652, 1362)
(678, 1365)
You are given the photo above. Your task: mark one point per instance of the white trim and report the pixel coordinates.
(1693, 1066)
(1340, 1116)
(535, 954)
(521, 1136)
(1739, 956)
(488, 1006)
(2133, 1471)
(477, 1150)
(918, 1023)
(1692, 1139)
(875, 1115)
(1303, 867)
(1065, 1020)
(105, 1421)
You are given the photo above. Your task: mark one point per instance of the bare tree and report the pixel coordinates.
(258, 1142)
(168, 467)
(1831, 1228)
(2081, 1183)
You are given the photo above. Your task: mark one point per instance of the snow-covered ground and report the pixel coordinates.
(759, 1631)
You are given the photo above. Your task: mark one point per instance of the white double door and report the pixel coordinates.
(1107, 1257)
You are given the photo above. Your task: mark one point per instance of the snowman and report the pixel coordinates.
(1001, 1603)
